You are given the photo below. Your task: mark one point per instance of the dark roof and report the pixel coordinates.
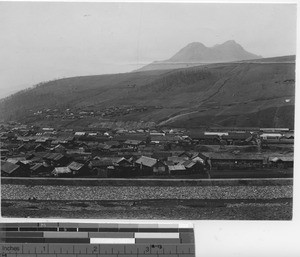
(189, 154)
(201, 135)
(65, 139)
(189, 163)
(27, 147)
(36, 159)
(237, 136)
(279, 141)
(37, 166)
(161, 154)
(168, 163)
(39, 146)
(130, 154)
(8, 167)
(166, 138)
(234, 128)
(39, 154)
(53, 156)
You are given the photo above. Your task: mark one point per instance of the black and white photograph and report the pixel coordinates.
(147, 110)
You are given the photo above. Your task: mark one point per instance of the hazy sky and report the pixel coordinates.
(44, 41)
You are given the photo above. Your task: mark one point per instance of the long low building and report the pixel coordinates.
(232, 161)
(222, 160)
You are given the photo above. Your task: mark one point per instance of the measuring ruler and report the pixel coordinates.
(96, 240)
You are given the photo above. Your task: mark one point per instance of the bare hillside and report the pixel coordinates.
(242, 94)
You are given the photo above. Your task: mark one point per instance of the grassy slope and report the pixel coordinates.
(244, 94)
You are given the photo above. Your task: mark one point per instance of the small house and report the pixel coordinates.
(146, 165)
(282, 161)
(131, 143)
(160, 168)
(122, 162)
(40, 169)
(56, 159)
(78, 168)
(113, 144)
(100, 166)
(9, 169)
(178, 169)
(193, 166)
(63, 172)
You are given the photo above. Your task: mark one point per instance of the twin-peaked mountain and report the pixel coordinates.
(197, 53)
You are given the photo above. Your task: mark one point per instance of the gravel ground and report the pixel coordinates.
(148, 202)
(23, 192)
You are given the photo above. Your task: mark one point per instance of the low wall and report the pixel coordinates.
(147, 182)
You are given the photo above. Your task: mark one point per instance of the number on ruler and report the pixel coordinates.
(147, 249)
(95, 249)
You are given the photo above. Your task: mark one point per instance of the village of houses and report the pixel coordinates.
(30, 151)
